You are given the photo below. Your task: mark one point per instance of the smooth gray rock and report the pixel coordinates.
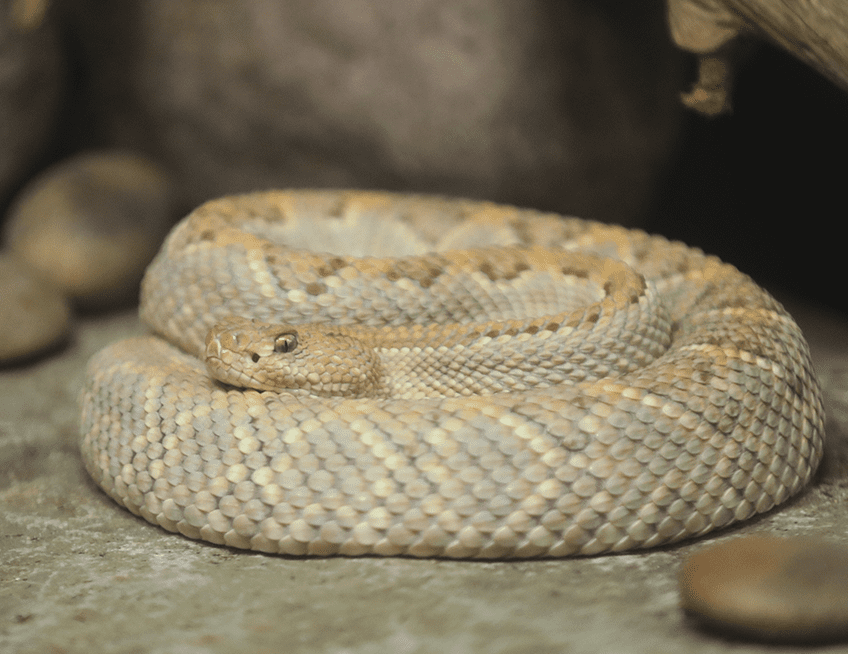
(92, 223)
(770, 588)
(568, 105)
(34, 316)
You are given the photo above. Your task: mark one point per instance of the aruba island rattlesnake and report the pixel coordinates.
(507, 383)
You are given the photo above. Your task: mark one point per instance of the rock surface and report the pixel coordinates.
(34, 315)
(31, 69)
(770, 588)
(92, 223)
(571, 106)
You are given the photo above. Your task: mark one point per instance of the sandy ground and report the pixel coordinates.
(80, 574)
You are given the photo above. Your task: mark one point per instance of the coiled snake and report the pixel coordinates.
(507, 383)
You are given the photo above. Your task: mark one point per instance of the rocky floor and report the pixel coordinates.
(80, 574)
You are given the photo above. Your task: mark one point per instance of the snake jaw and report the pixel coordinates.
(233, 353)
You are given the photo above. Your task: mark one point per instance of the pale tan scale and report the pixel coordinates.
(446, 378)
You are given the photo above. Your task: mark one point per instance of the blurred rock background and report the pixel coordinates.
(572, 106)
(562, 105)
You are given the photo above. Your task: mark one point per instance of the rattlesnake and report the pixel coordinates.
(507, 383)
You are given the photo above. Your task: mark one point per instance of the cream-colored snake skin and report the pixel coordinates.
(534, 397)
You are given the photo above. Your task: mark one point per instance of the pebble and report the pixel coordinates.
(785, 590)
(34, 316)
(91, 224)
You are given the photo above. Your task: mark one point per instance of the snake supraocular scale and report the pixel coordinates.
(503, 385)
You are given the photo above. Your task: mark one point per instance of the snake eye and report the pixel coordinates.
(285, 342)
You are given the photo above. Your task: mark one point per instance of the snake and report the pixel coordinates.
(349, 372)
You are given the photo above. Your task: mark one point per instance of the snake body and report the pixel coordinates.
(341, 372)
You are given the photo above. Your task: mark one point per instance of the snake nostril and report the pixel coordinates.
(254, 357)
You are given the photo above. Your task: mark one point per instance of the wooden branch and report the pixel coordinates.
(815, 31)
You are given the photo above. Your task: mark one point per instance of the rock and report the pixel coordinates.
(568, 105)
(769, 588)
(31, 85)
(34, 316)
(91, 224)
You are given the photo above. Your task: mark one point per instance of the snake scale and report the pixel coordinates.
(343, 372)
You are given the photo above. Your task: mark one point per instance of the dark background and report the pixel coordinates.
(764, 187)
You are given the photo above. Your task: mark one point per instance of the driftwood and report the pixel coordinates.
(815, 31)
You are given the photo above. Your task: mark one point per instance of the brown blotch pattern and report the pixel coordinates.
(508, 272)
(580, 273)
(489, 270)
(419, 270)
(315, 288)
(592, 314)
(331, 266)
(338, 210)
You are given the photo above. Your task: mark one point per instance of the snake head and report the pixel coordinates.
(318, 359)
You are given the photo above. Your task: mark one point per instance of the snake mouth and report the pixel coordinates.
(219, 370)
(219, 363)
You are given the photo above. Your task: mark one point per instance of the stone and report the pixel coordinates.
(34, 315)
(769, 588)
(570, 106)
(31, 85)
(92, 223)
